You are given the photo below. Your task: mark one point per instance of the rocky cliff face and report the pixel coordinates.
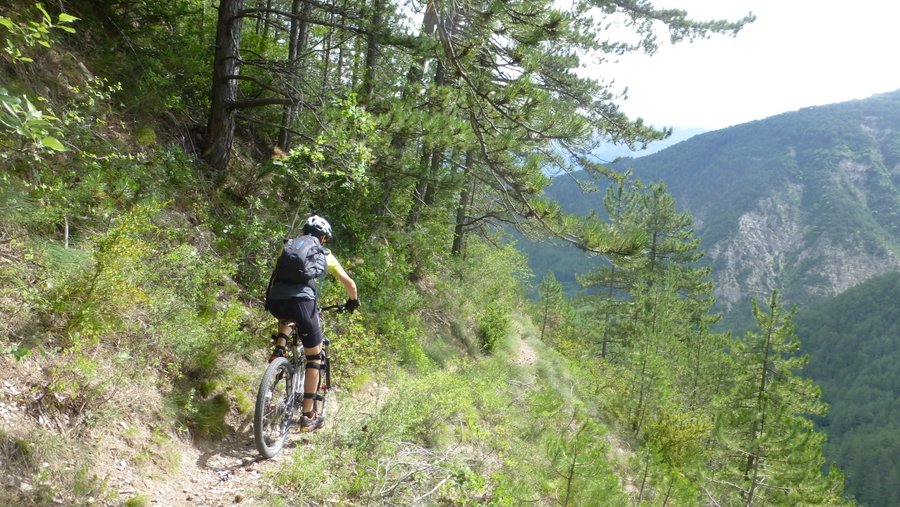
(769, 250)
(753, 260)
(807, 203)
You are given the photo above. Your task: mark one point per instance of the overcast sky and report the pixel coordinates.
(798, 53)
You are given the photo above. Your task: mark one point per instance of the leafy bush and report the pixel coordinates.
(100, 298)
(494, 324)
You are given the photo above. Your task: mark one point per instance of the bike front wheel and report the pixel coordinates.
(274, 407)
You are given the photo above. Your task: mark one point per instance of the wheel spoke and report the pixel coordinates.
(273, 413)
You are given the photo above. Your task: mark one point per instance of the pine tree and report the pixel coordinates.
(618, 277)
(773, 455)
(551, 298)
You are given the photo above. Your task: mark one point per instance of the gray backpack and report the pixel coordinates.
(301, 262)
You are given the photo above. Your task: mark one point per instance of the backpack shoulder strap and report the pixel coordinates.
(272, 277)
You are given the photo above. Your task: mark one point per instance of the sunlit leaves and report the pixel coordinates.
(28, 34)
(19, 116)
(342, 151)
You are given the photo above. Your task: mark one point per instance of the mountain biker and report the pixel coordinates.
(296, 304)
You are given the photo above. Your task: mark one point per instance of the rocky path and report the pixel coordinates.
(215, 477)
(214, 473)
(230, 471)
(227, 474)
(208, 473)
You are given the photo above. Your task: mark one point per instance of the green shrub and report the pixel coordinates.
(81, 380)
(141, 500)
(101, 298)
(494, 325)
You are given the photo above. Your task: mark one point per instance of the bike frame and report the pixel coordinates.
(270, 412)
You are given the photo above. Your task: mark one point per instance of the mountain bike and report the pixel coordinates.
(280, 395)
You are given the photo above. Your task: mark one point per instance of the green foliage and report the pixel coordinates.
(551, 301)
(678, 436)
(140, 266)
(773, 453)
(494, 324)
(32, 33)
(354, 344)
(489, 289)
(851, 341)
(674, 373)
(18, 115)
(415, 427)
(160, 449)
(30, 124)
(80, 384)
(341, 153)
(815, 170)
(439, 436)
(203, 416)
(52, 470)
(390, 304)
(95, 300)
(139, 501)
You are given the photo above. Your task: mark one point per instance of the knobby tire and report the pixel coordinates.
(274, 410)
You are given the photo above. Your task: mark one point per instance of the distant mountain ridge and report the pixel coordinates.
(610, 152)
(806, 202)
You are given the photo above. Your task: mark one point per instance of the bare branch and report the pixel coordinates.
(260, 102)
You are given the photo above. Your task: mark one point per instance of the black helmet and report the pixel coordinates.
(317, 226)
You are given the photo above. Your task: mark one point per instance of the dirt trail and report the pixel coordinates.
(230, 471)
(221, 474)
(209, 473)
(527, 355)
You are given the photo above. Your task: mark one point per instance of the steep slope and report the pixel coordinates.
(806, 202)
(853, 342)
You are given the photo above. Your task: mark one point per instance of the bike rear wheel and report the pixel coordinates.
(325, 383)
(274, 407)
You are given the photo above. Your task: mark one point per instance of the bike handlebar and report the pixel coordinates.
(334, 308)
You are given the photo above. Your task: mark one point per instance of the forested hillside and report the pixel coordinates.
(807, 202)
(156, 154)
(853, 342)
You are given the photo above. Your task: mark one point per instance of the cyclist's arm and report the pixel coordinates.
(334, 267)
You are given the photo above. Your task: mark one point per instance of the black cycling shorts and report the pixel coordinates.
(304, 313)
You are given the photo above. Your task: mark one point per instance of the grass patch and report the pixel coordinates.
(484, 430)
(141, 500)
(50, 470)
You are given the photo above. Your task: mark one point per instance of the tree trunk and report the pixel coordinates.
(368, 84)
(297, 43)
(414, 76)
(327, 42)
(751, 472)
(604, 341)
(339, 65)
(419, 191)
(462, 210)
(423, 195)
(437, 157)
(220, 127)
